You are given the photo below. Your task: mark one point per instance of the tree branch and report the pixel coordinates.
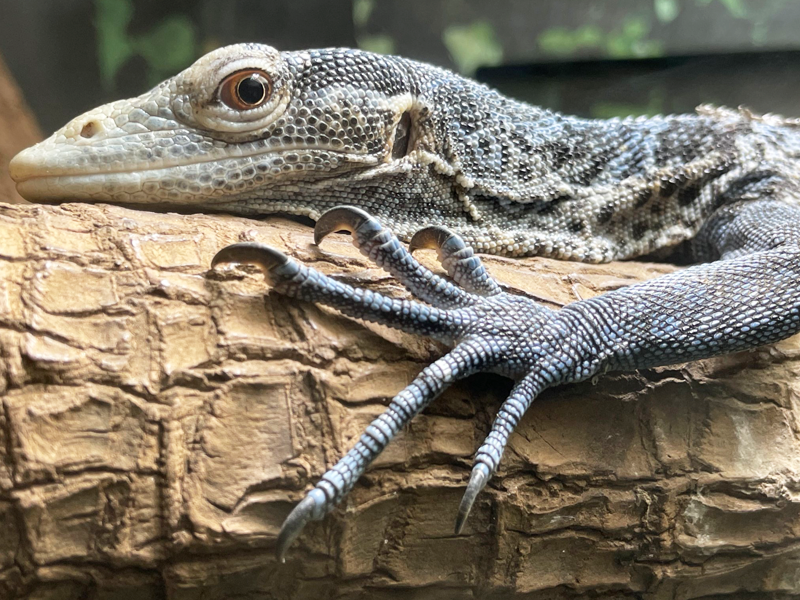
(159, 422)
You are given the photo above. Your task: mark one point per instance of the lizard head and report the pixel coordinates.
(244, 126)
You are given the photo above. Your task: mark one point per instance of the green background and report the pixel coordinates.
(592, 57)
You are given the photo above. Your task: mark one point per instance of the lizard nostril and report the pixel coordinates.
(90, 129)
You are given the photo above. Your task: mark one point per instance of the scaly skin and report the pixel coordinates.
(703, 311)
(507, 177)
(433, 154)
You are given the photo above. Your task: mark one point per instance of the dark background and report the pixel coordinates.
(590, 57)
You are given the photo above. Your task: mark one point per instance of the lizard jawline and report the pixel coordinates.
(179, 184)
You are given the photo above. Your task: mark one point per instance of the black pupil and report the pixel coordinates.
(250, 90)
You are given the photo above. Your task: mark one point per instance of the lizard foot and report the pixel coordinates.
(489, 330)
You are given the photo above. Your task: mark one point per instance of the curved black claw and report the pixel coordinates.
(383, 248)
(343, 218)
(250, 253)
(457, 258)
(477, 481)
(310, 508)
(435, 237)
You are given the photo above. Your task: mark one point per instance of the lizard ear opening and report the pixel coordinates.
(402, 137)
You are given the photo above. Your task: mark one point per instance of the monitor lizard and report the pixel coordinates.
(447, 163)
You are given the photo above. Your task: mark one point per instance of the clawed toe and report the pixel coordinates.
(344, 218)
(268, 259)
(436, 238)
(457, 258)
(477, 481)
(385, 250)
(310, 508)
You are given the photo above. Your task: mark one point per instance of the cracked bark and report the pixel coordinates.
(159, 422)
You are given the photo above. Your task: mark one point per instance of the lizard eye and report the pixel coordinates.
(246, 89)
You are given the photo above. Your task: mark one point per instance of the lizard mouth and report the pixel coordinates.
(43, 177)
(123, 187)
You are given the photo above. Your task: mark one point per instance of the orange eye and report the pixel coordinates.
(246, 89)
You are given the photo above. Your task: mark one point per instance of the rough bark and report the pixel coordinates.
(18, 130)
(159, 421)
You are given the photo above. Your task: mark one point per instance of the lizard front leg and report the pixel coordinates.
(710, 309)
(472, 322)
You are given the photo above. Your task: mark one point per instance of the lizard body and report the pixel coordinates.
(414, 144)
(442, 160)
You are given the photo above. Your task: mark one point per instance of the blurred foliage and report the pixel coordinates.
(666, 10)
(607, 110)
(735, 7)
(173, 42)
(472, 46)
(465, 33)
(380, 43)
(168, 46)
(630, 40)
(362, 9)
(376, 42)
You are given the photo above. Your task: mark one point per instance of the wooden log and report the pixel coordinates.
(160, 420)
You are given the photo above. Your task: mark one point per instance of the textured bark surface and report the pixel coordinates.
(159, 421)
(18, 130)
